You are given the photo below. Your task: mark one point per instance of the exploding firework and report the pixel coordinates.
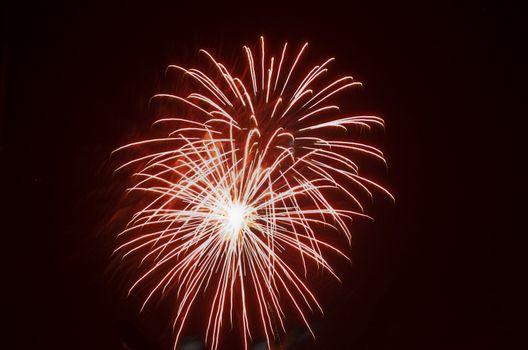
(234, 196)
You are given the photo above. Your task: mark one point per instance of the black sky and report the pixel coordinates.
(433, 272)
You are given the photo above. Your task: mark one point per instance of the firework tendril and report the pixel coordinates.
(236, 194)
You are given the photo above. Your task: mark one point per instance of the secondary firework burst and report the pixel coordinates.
(235, 195)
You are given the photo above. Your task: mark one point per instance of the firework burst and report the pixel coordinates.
(235, 194)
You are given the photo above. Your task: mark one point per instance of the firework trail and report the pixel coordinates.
(236, 190)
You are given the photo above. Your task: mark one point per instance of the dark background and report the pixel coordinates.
(434, 271)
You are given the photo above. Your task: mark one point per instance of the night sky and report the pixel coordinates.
(432, 272)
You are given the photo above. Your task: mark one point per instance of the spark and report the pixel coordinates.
(237, 195)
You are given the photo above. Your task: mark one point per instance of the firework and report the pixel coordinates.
(235, 193)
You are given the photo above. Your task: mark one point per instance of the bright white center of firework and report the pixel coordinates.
(236, 216)
(235, 221)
